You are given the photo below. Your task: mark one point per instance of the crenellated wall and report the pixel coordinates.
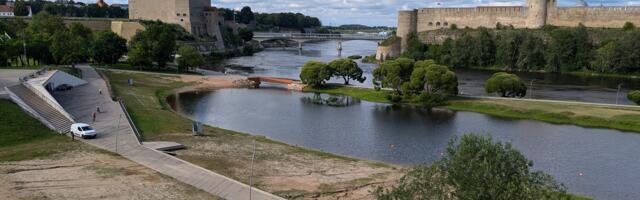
(535, 14)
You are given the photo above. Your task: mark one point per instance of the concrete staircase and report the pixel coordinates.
(52, 117)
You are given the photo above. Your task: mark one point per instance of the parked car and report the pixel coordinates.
(63, 87)
(83, 130)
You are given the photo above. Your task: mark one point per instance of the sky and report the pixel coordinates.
(371, 12)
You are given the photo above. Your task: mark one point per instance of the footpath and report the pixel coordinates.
(116, 135)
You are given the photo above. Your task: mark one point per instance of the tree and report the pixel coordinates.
(67, 48)
(189, 57)
(245, 34)
(634, 96)
(475, 167)
(156, 43)
(485, 49)
(79, 30)
(629, 49)
(20, 8)
(314, 73)
(628, 26)
(45, 24)
(531, 53)
(462, 52)
(393, 74)
(108, 47)
(606, 58)
(246, 15)
(506, 85)
(508, 50)
(429, 77)
(347, 69)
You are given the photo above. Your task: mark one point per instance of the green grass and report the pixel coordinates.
(624, 119)
(170, 69)
(24, 138)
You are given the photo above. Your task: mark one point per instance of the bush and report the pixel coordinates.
(394, 97)
(430, 100)
(506, 85)
(314, 73)
(634, 96)
(476, 168)
(628, 26)
(355, 57)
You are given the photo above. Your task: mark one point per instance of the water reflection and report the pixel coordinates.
(330, 100)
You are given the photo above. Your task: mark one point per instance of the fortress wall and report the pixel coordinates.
(95, 25)
(126, 29)
(407, 23)
(608, 17)
(437, 18)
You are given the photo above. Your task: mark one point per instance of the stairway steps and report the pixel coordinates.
(46, 111)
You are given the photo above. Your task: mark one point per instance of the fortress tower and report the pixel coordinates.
(536, 13)
(407, 24)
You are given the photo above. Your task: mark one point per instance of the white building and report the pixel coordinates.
(6, 11)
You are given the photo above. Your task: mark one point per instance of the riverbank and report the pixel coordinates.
(285, 170)
(595, 116)
(37, 163)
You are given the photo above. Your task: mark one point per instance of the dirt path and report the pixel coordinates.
(88, 175)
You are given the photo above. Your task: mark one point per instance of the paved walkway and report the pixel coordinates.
(81, 102)
(9, 77)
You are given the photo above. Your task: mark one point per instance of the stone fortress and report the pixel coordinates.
(195, 16)
(535, 14)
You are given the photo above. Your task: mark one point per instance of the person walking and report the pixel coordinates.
(100, 91)
(73, 136)
(98, 109)
(94, 116)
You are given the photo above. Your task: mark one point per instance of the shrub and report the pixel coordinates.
(506, 85)
(476, 168)
(355, 57)
(634, 96)
(430, 100)
(628, 26)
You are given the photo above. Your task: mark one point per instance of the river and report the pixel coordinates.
(608, 159)
(286, 63)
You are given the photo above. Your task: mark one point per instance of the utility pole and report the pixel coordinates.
(24, 45)
(251, 176)
(117, 130)
(618, 93)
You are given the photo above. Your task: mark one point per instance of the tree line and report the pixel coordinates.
(271, 20)
(48, 40)
(557, 49)
(69, 9)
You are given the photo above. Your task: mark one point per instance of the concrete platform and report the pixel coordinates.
(163, 146)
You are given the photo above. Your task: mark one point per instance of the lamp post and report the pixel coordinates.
(531, 86)
(117, 130)
(251, 176)
(618, 93)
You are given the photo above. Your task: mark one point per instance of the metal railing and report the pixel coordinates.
(34, 74)
(133, 125)
(360, 36)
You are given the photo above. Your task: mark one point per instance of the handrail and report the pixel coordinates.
(25, 78)
(133, 126)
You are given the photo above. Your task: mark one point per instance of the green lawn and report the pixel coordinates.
(626, 119)
(24, 138)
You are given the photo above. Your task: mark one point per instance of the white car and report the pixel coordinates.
(83, 130)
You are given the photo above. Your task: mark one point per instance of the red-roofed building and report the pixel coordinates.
(6, 11)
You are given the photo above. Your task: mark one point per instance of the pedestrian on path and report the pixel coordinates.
(73, 136)
(94, 116)
(100, 91)
(98, 109)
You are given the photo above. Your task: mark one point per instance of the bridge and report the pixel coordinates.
(305, 37)
(292, 84)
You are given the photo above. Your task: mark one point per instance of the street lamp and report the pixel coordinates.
(618, 93)
(531, 86)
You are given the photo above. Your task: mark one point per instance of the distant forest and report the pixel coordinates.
(271, 21)
(70, 9)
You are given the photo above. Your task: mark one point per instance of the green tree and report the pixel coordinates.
(584, 48)
(462, 52)
(156, 43)
(433, 78)
(189, 57)
(246, 34)
(246, 15)
(67, 48)
(415, 48)
(629, 49)
(506, 85)
(476, 168)
(634, 96)
(561, 51)
(45, 24)
(531, 53)
(628, 26)
(108, 47)
(314, 73)
(77, 29)
(485, 49)
(508, 50)
(346, 69)
(606, 58)
(393, 74)
(20, 8)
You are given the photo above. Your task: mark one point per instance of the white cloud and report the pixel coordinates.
(371, 12)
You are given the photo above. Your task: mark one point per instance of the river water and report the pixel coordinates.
(286, 63)
(608, 159)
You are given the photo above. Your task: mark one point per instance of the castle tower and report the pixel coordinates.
(536, 13)
(407, 23)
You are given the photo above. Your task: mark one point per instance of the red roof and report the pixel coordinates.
(4, 8)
